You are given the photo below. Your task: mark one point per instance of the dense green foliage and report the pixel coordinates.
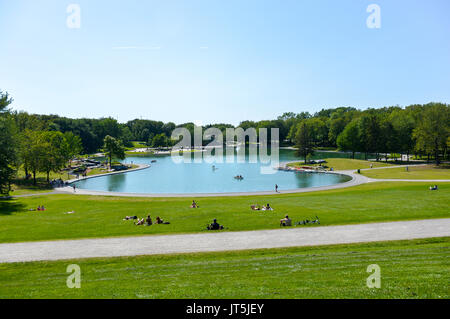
(304, 140)
(416, 129)
(8, 141)
(113, 148)
(409, 269)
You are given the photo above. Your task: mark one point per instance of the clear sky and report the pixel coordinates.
(221, 60)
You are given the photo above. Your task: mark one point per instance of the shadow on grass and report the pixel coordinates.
(442, 166)
(24, 184)
(9, 206)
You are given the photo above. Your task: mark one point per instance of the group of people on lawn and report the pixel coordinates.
(39, 209)
(285, 222)
(146, 221)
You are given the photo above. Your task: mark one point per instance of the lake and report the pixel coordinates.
(167, 177)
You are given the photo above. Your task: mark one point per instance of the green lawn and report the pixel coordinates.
(409, 269)
(341, 164)
(97, 216)
(414, 172)
(139, 153)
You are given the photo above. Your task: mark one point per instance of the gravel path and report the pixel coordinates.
(224, 241)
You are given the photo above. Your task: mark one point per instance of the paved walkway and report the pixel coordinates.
(224, 241)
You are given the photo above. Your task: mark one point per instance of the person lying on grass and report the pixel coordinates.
(434, 188)
(286, 221)
(307, 221)
(215, 226)
(130, 218)
(140, 222)
(159, 221)
(146, 222)
(265, 207)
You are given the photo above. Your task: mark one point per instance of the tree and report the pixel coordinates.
(403, 123)
(159, 140)
(303, 140)
(31, 152)
(71, 147)
(370, 133)
(53, 154)
(319, 131)
(338, 121)
(349, 139)
(433, 130)
(8, 145)
(113, 148)
(388, 140)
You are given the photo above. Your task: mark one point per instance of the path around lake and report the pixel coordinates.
(223, 241)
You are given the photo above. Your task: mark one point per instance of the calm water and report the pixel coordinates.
(165, 176)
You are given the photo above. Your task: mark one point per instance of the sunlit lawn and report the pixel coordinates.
(413, 172)
(408, 269)
(341, 164)
(101, 216)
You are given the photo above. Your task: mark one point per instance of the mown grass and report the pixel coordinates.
(101, 216)
(342, 164)
(409, 269)
(413, 172)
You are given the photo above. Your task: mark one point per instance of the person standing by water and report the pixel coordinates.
(74, 188)
(276, 188)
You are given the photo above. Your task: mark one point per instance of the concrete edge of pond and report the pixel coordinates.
(139, 168)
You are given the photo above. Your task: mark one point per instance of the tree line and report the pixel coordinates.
(45, 143)
(417, 129)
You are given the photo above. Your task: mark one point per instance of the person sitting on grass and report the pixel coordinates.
(215, 226)
(286, 221)
(434, 188)
(194, 204)
(148, 221)
(267, 207)
(159, 221)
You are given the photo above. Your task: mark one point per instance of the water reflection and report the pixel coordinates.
(165, 176)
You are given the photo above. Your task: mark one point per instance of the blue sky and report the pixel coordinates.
(221, 61)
